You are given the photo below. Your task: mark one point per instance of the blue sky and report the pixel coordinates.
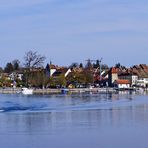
(68, 31)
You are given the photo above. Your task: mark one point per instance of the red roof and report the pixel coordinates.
(114, 70)
(121, 81)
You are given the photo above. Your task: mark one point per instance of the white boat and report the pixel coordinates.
(27, 91)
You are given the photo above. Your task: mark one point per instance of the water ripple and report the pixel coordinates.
(69, 103)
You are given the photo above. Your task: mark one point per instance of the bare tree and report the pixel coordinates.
(33, 59)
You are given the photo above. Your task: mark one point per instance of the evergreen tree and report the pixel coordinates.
(74, 65)
(118, 65)
(47, 70)
(89, 64)
(16, 64)
(9, 68)
(81, 65)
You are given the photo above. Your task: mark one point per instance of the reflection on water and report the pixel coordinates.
(59, 103)
(69, 121)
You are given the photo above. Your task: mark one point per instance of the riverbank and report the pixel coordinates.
(63, 90)
(10, 90)
(55, 91)
(74, 90)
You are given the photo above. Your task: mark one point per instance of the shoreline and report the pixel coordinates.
(63, 90)
(74, 90)
(57, 91)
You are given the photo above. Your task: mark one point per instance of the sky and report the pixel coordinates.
(67, 31)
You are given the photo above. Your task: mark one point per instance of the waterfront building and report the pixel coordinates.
(142, 82)
(112, 76)
(122, 83)
(132, 77)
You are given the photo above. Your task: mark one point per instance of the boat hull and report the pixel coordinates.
(27, 91)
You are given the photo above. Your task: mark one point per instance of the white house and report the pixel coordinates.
(59, 71)
(52, 69)
(134, 79)
(122, 83)
(15, 75)
(143, 82)
(67, 72)
(129, 76)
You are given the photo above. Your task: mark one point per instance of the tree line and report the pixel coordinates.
(40, 78)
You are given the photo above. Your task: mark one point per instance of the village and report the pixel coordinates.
(92, 75)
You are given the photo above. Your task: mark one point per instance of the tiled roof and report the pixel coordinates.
(114, 70)
(141, 70)
(52, 66)
(143, 66)
(60, 71)
(120, 81)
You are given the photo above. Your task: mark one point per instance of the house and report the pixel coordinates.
(103, 80)
(128, 75)
(61, 70)
(142, 73)
(13, 76)
(143, 66)
(141, 70)
(142, 82)
(112, 76)
(122, 83)
(52, 69)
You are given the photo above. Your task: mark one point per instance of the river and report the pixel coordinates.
(74, 121)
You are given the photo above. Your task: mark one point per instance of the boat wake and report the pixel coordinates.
(77, 106)
(14, 107)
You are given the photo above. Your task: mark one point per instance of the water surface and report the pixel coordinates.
(74, 121)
